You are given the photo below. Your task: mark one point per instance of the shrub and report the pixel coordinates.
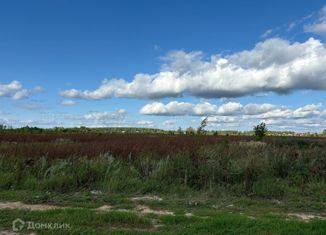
(260, 131)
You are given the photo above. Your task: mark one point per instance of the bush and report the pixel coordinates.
(260, 131)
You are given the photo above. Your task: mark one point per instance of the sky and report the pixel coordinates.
(163, 64)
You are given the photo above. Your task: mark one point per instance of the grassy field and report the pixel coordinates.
(161, 184)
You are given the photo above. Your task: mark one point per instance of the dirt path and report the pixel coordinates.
(139, 208)
(13, 233)
(32, 207)
(307, 216)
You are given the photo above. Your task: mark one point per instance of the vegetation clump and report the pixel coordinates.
(260, 131)
(203, 124)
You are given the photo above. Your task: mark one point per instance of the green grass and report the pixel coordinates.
(86, 221)
(211, 215)
(80, 221)
(76, 199)
(236, 224)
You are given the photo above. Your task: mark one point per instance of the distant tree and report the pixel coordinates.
(190, 131)
(3, 127)
(260, 131)
(203, 124)
(171, 132)
(180, 131)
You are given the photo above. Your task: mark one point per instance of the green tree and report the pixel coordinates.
(203, 124)
(190, 131)
(3, 127)
(324, 132)
(260, 131)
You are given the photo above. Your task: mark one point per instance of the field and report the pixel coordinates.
(162, 184)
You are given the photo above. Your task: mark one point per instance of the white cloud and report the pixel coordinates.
(233, 114)
(145, 123)
(253, 109)
(106, 116)
(229, 108)
(274, 65)
(38, 89)
(277, 113)
(267, 33)
(21, 94)
(291, 25)
(107, 89)
(68, 102)
(169, 123)
(40, 122)
(307, 111)
(319, 26)
(16, 91)
(175, 108)
(222, 119)
(10, 89)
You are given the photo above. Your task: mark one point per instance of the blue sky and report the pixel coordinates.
(163, 64)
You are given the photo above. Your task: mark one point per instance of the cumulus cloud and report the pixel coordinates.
(10, 89)
(229, 108)
(308, 111)
(235, 114)
(222, 119)
(175, 108)
(106, 116)
(306, 118)
(319, 26)
(21, 94)
(252, 109)
(16, 91)
(274, 65)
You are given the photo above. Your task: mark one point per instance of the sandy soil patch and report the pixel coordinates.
(146, 210)
(104, 208)
(140, 209)
(306, 216)
(32, 207)
(13, 233)
(147, 198)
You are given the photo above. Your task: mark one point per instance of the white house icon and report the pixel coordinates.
(18, 225)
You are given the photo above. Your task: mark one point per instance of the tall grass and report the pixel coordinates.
(241, 168)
